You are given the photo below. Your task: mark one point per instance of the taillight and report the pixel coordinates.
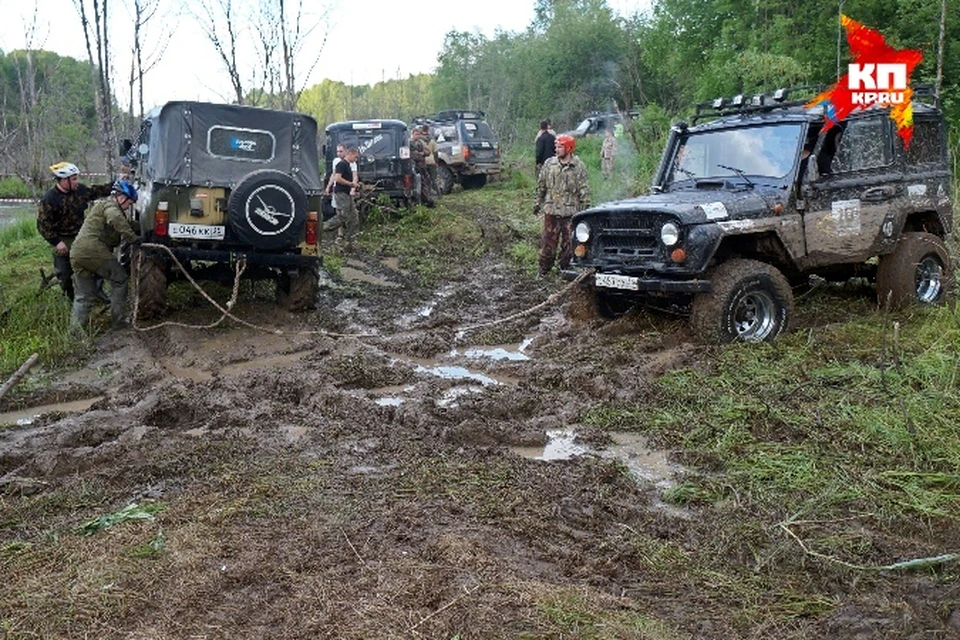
(312, 227)
(466, 152)
(161, 219)
(408, 182)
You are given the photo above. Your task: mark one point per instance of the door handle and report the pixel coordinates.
(878, 193)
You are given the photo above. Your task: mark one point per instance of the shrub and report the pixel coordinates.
(14, 187)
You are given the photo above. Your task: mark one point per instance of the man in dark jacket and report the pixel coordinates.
(60, 216)
(545, 144)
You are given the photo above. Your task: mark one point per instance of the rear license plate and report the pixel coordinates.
(611, 281)
(197, 231)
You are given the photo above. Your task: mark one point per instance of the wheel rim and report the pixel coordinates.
(755, 316)
(929, 279)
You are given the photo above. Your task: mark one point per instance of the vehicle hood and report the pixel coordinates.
(698, 207)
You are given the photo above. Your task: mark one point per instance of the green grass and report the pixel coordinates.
(33, 319)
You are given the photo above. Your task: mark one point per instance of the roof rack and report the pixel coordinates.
(460, 114)
(786, 98)
(741, 104)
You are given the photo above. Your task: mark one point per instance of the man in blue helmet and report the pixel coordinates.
(92, 256)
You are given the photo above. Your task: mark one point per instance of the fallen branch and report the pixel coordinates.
(916, 563)
(32, 360)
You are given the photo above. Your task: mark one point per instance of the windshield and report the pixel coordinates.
(762, 151)
(477, 130)
(371, 143)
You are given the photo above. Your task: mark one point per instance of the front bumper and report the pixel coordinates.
(647, 284)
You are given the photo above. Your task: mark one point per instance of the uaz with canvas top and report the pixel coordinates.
(757, 198)
(222, 185)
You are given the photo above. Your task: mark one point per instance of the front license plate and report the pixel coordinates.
(611, 281)
(197, 231)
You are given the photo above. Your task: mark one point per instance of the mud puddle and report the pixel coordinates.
(630, 449)
(510, 352)
(234, 368)
(24, 417)
(355, 274)
(441, 369)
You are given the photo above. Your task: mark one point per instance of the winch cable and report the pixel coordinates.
(226, 310)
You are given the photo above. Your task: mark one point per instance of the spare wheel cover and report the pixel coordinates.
(268, 210)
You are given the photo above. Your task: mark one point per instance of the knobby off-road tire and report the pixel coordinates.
(918, 271)
(150, 276)
(475, 181)
(298, 291)
(751, 301)
(445, 180)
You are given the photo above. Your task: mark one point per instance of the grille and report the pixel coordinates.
(629, 235)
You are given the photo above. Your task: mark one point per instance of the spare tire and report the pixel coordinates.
(268, 210)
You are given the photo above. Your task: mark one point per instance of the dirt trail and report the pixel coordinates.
(384, 486)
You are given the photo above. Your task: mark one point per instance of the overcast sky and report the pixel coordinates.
(368, 41)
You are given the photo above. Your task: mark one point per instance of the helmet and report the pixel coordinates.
(567, 141)
(124, 187)
(64, 170)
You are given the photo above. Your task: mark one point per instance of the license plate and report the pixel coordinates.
(197, 231)
(611, 281)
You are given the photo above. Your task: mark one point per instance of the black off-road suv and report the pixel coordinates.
(222, 185)
(384, 162)
(468, 152)
(757, 198)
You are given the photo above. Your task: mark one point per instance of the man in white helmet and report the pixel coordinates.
(60, 216)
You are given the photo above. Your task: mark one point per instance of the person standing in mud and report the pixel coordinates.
(92, 255)
(344, 184)
(608, 153)
(546, 142)
(60, 215)
(430, 157)
(418, 153)
(562, 190)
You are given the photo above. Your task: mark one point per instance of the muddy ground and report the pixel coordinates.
(373, 470)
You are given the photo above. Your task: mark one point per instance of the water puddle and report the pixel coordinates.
(283, 360)
(452, 371)
(511, 352)
(451, 395)
(630, 449)
(24, 417)
(351, 274)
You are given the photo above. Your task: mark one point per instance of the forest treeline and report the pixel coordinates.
(576, 56)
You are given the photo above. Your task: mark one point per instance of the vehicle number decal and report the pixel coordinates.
(715, 210)
(916, 190)
(846, 217)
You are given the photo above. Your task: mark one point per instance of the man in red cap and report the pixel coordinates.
(562, 190)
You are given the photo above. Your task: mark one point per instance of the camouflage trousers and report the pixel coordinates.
(556, 230)
(346, 217)
(88, 288)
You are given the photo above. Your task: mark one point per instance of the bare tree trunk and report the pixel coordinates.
(100, 72)
(225, 15)
(940, 45)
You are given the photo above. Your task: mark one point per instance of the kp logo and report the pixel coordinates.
(879, 75)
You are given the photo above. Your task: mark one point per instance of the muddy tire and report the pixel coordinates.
(298, 291)
(917, 272)
(474, 182)
(751, 301)
(150, 276)
(445, 180)
(611, 306)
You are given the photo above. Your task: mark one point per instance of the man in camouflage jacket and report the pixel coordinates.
(562, 190)
(92, 254)
(60, 215)
(418, 153)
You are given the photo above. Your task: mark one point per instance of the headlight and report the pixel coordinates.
(582, 232)
(669, 234)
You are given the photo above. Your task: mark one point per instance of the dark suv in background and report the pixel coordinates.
(754, 197)
(468, 151)
(384, 162)
(224, 185)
